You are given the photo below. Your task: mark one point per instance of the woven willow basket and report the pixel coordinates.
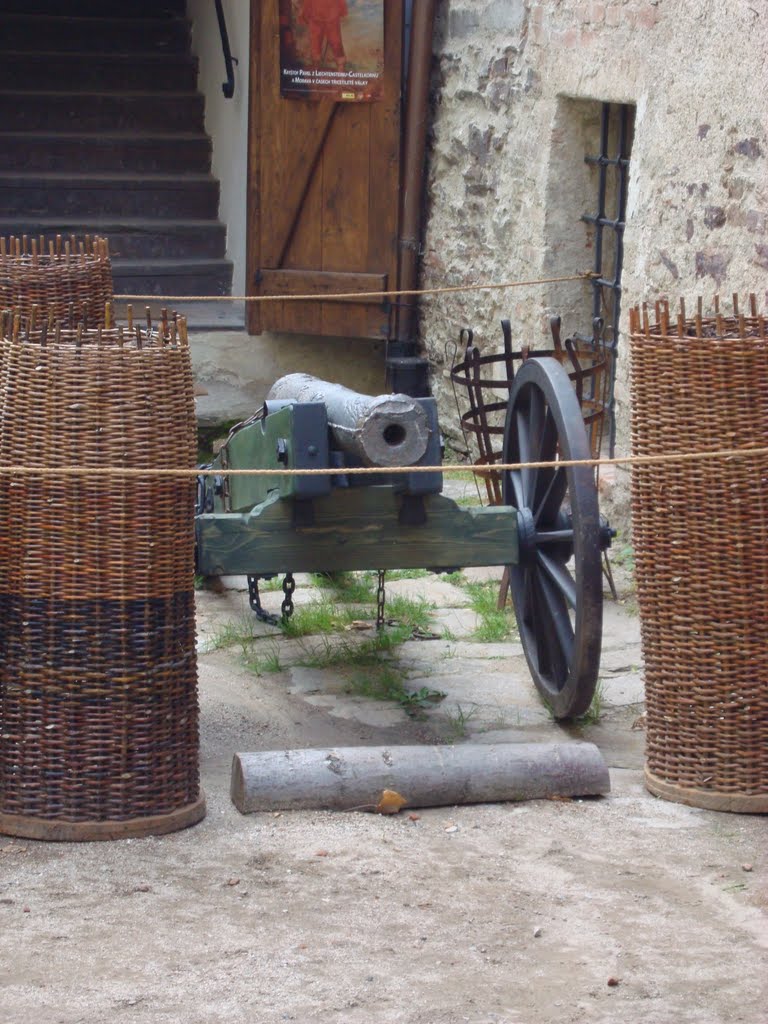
(69, 281)
(98, 674)
(701, 539)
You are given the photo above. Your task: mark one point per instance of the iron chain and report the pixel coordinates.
(254, 599)
(289, 585)
(381, 598)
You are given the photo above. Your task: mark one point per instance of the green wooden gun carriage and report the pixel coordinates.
(547, 531)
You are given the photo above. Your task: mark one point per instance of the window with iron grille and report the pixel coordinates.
(610, 163)
(584, 216)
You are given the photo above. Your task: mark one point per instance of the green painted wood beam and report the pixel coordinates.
(353, 529)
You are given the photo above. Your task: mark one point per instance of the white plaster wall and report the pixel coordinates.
(236, 371)
(226, 120)
(697, 219)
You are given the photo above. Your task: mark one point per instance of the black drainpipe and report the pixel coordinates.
(407, 372)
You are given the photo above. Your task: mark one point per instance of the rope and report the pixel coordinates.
(338, 296)
(628, 460)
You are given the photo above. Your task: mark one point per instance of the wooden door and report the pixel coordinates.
(323, 207)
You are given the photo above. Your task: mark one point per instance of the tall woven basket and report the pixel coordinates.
(700, 385)
(68, 280)
(98, 674)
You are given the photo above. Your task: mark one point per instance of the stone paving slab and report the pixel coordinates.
(459, 623)
(434, 589)
(487, 686)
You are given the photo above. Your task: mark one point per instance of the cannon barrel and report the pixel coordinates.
(381, 430)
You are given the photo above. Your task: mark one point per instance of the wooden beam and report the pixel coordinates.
(353, 529)
(355, 778)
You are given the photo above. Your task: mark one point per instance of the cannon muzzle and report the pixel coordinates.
(381, 430)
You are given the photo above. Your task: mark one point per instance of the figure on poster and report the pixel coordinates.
(317, 62)
(323, 19)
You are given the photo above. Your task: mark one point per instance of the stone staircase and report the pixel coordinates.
(101, 132)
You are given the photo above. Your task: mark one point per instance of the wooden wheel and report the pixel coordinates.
(556, 584)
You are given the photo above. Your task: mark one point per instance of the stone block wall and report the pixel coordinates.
(517, 90)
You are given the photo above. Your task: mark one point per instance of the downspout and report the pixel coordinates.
(408, 372)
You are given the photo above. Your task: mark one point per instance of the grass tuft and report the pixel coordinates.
(318, 617)
(263, 663)
(386, 682)
(349, 587)
(495, 624)
(594, 712)
(458, 721)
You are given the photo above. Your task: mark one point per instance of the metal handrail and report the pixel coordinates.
(228, 87)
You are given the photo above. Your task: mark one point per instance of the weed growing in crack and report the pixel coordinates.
(458, 721)
(594, 712)
(264, 663)
(235, 633)
(413, 612)
(387, 682)
(318, 617)
(328, 650)
(267, 586)
(456, 577)
(349, 587)
(495, 624)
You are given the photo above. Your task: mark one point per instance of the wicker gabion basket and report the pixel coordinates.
(98, 674)
(67, 280)
(700, 385)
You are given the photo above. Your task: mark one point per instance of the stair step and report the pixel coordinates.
(132, 238)
(93, 112)
(181, 153)
(89, 72)
(85, 196)
(110, 91)
(31, 33)
(172, 277)
(97, 8)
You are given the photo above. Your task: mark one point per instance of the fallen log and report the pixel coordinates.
(356, 778)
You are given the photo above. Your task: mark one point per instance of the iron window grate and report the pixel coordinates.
(612, 163)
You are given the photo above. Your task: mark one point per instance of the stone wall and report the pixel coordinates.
(517, 89)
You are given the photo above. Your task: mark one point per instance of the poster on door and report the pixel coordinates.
(332, 49)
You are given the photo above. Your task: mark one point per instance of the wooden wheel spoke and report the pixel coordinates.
(537, 416)
(561, 620)
(545, 510)
(534, 621)
(554, 636)
(524, 455)
(559, 575)
(546, 452)
(516, 482)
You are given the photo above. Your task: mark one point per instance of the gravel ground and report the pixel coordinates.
(623, 908)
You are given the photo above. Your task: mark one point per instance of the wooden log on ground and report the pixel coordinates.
(355, 778)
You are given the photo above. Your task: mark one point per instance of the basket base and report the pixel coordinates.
(56, 831)
(705, 798)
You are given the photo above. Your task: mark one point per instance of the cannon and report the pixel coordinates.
(547, 531)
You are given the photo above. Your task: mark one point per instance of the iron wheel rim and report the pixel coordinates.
(556, 584)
